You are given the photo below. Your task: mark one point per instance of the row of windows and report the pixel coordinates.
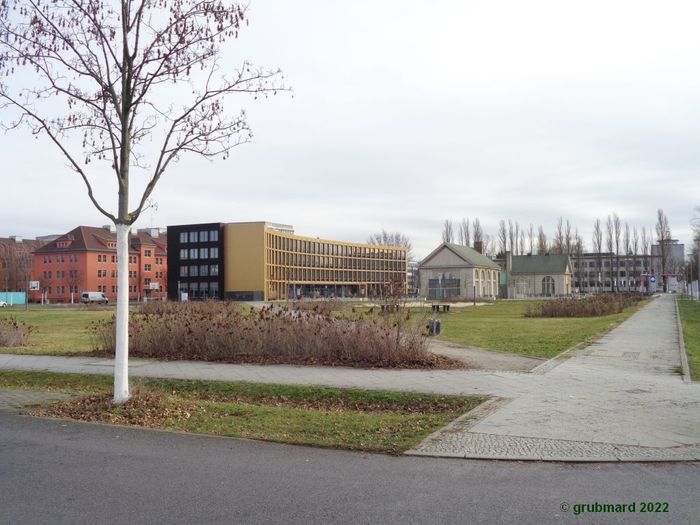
(607, 264)
(202, 270)
(199, 253)
(205, 236)
(277, 242)
(309, 274)
(276, 257)
(103, 288)
(201, 289)
(61, 258)
(61, 274)
(598, 284)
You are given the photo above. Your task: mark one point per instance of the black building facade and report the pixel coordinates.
(196, 261)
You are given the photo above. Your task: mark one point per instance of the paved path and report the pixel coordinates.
(14, 400)
(620, 398)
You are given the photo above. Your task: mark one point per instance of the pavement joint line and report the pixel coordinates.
(681, 346)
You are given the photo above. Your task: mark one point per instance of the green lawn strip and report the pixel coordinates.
(501, 326)
(690, 321)
(375, 421)
(55, 330)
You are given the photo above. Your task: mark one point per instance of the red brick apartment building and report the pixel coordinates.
(85, 260)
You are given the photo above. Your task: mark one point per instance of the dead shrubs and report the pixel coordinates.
(591, 306)
(219, 331)
(13, 332)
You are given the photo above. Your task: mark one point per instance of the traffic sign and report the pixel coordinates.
(652, 279)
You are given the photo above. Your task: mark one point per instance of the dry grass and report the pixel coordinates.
(217, 331)
(13, 332)
(591, 306)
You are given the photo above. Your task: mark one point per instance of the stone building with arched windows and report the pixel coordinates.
(537, 275)
(452, 271)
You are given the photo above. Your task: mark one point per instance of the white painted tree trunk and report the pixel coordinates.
(121, 356)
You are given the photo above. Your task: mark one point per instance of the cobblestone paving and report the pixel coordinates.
(18, 399)
(492, 446)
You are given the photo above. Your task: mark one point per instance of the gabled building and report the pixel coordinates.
(85, 259)
(453, 271)
(537, 275)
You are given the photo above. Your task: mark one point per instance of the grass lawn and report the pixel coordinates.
(373, 421)
(501, 326)
(690, 321)
(55, 330)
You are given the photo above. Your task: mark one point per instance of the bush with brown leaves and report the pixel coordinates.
(14, 332)
(220, 331)
(590, 306)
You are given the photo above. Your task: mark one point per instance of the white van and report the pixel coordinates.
(93, 297)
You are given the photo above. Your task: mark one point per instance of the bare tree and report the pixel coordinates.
(512, 239)
(541, 241)
(477, 231)
(516, 246)
(617, 230)
(635, 256)
(568, 241)
(448, 235)
(502, 237)
(521, 246)
(578, 248)
(645, 242)
(531, 238)
(125, 78)
(627, 246)
(598, 249)
(558, 244)
(386, 238)
(663, 238)
(465, 237)
(610, 245)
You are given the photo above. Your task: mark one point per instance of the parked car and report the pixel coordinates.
(3, 304)
(93, 297)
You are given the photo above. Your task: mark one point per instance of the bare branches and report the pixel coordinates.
(101, 73)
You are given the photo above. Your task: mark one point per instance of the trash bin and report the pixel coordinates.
(434, 327)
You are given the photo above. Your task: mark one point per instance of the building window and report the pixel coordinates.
(147, 253)
(184, 271)
(193, 253)
(214, 270)
(193, 236)
(146, 267)
(204, 253)
(204, 270)
(184, 254)
(114, 258)
(194, 271)
(203, 236)
(214, 253)
(183, 237)
(214, 235)
(214, 288)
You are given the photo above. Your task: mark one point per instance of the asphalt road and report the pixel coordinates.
(70, 473)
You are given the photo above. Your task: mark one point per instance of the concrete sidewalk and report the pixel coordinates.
(620, 398)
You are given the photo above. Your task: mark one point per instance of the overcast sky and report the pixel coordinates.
(407, 113)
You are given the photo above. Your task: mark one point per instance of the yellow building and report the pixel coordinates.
(265, 261)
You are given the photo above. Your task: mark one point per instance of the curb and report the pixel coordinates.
(681, 345)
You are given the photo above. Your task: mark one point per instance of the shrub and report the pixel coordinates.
(14, 332)
(218, 331)
(591, 306)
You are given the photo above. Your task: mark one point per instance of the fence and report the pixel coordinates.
(13, 298)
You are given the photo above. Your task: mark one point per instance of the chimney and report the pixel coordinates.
(479, 246)
(16, 238)
(110, 228)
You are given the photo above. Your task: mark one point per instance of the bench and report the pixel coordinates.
(445, 307)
